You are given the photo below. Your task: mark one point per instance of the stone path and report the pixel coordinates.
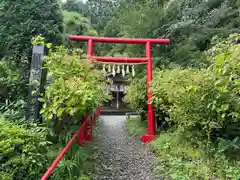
(120, 156)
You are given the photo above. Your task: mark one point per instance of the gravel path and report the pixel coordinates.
(120, 156)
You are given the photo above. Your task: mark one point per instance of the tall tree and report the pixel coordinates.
(76, 24)
(76, 6)
(22, 20)
(101, 11)
(190, 24)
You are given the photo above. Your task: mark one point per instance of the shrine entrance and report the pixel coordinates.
(122, 61)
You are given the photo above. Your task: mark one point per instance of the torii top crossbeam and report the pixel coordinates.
(119, 40)
(133, 60)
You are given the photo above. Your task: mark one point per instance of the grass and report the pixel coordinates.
(136, 127)
(180, 160)
(78, 162)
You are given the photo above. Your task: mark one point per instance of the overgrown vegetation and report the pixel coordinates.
(22, 20)
(195, 87)
(180, 159)
(22, 152)
(136, 127)
(189, 24)
(27, 150)
(75, 88)
(199, 110)
(137, 100)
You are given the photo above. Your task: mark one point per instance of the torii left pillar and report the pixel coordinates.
(148, 60)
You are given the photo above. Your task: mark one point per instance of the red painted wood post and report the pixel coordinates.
(131, 60)
(81, 133)
(94, 119)
(151, 122)
(88, 129)
(90, 48)
(98, 111)
(118, 40)
(85, 128)
(80, 139)
(150, 115)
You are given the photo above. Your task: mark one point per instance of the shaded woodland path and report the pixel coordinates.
(120, 156)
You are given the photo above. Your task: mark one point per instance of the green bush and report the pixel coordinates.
(201, 108)
(175, 96)
(136, 127)
(27, 150)
(203, 102)
(169, 88)
(21, 20)
(14, 111)
(74, 164)
(180, 160)
(11, 81)
(22, 152)
(76, 88)
(136, 96)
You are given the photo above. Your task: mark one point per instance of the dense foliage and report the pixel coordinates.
(189, 24)
(76, 87)
(137, 100)
(27, 149)
(22, 152)
(201, 110)
(21, 20)
(76, 24)
(75, 6)
(205, 100)
(100, 12)
(9, 81)
(195, 88)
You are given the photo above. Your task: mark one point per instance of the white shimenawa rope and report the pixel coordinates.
(120, 68)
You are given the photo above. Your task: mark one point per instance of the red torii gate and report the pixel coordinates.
(148, 60)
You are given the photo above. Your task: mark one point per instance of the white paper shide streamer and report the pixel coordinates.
(127, 71)
(133, 71)
(123, 69)
(113, 70)
(118, 69)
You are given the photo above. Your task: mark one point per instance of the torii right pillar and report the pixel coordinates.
(151, 131)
